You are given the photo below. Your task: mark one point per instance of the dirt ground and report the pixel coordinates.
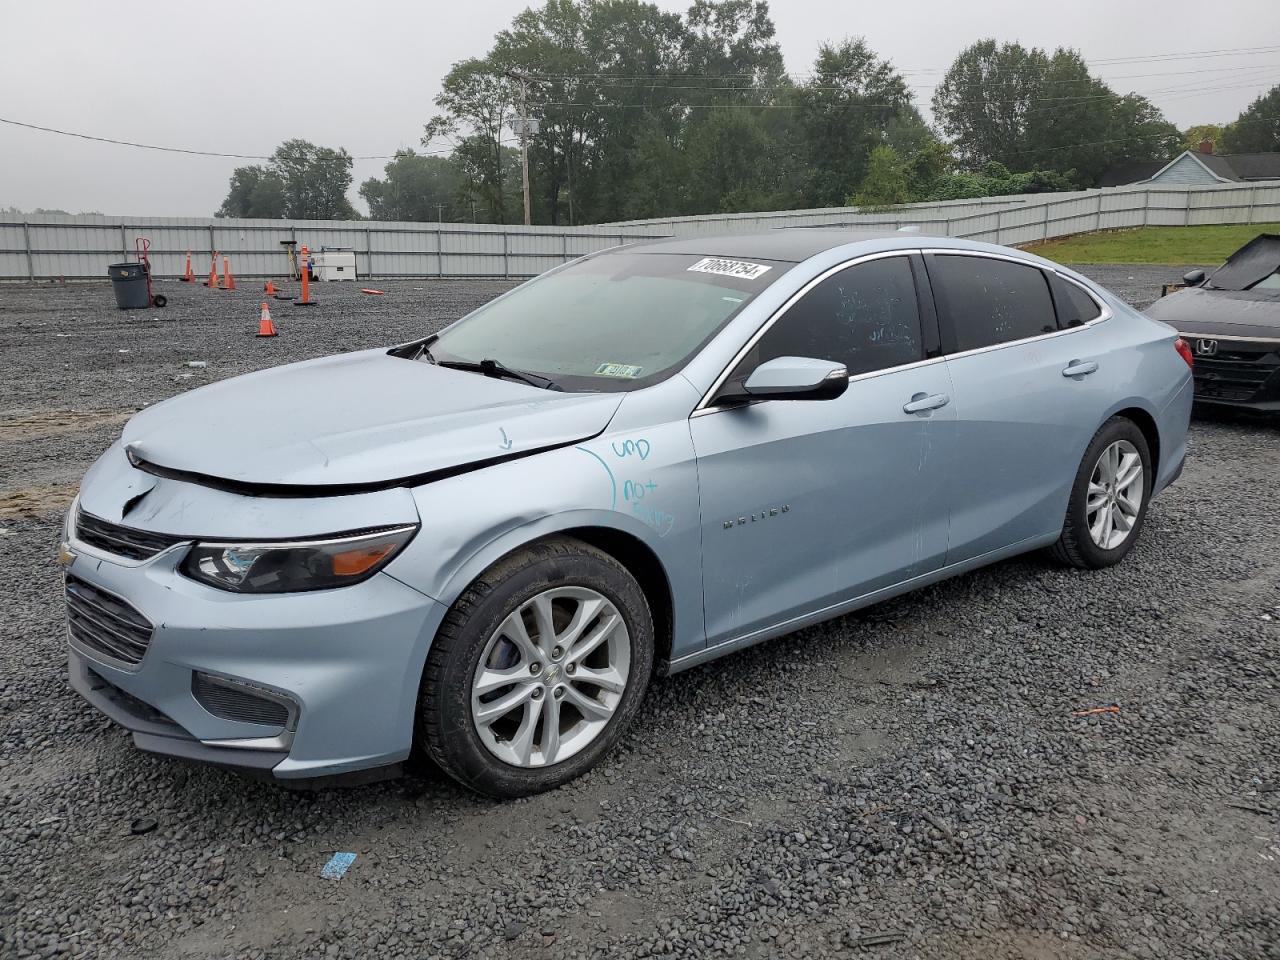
(910, 781)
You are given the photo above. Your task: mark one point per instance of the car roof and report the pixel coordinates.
(789, 245)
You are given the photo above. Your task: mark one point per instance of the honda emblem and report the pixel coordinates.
(1206, 348)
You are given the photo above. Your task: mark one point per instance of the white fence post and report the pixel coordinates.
(26, 240)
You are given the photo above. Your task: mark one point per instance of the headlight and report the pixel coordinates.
(287, 567)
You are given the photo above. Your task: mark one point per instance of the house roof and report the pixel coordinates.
(1219, 164)
(1255, 166)
(1228, 167)
(1126, 173)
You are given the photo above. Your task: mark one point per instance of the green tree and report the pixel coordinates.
(995, 180)
(984, 99)
(1192, 137)
(929, 164)
(852, 98)
(1028, 109)
(301, 182)
(316, 180)
(478, 98)
(415, 188)
(637, 108)
(255, 191)
(1257, 129)
(885, 183)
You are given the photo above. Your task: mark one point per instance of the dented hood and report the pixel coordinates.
(357, 420)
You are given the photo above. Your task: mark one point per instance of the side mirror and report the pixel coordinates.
(1193, 278)
(797, 378)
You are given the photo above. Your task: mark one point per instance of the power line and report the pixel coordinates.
(1170, 93)
(1138, 59)
(183, 150)
(659, 80)
(662, 81)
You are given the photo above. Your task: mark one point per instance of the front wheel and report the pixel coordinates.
(537, 670)
(1109, 498)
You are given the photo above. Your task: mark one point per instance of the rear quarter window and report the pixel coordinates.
(992, 301)
(1080, 306)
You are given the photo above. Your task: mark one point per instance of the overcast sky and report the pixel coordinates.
(239, 76)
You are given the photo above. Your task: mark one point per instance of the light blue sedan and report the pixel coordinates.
(486, 542)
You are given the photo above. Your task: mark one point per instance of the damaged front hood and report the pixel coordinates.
(356, 420)
(1252, 314)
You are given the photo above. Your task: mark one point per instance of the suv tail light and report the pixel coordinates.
(1184, 351)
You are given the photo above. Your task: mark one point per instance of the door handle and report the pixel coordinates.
(923, 403)
(1079, 368)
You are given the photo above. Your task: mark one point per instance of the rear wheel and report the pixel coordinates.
(1109, 498)
(537, 670)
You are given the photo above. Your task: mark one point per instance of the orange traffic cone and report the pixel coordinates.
(212, 282)
(189, 276)
(265, 327)
(269, 289)
(228, 281)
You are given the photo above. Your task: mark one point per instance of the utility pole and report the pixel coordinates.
(523, 129)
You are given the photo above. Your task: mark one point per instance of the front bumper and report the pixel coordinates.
(349, 662)
(1240, 375)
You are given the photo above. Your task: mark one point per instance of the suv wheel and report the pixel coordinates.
(1109, 499)
(537, 669)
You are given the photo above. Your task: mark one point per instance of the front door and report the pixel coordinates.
(807, 503)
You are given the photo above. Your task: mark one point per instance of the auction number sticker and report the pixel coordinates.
(730, 268)
(618, 370)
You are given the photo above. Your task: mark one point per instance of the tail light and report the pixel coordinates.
(1184, 351)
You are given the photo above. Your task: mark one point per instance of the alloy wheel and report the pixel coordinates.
(550, 677)
(1115, 495)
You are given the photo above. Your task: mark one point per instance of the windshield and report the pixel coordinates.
(618, 321)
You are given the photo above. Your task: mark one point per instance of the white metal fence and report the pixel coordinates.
(49, 247)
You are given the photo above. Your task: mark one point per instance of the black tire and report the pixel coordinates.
(1076, 546)
(444, 722)
(159, 300)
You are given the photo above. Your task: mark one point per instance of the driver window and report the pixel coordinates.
(865, 317)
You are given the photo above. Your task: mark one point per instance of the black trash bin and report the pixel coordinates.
(129, 283)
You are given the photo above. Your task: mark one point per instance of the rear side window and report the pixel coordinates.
(866, 317)
(993, 301)
(1081, 308)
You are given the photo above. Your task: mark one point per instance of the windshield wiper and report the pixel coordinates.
(492, 368)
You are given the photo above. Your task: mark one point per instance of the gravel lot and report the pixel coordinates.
(905, 782)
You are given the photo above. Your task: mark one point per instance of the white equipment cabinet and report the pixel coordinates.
(331, 264)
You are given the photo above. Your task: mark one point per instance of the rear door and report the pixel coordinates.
(1028, 395)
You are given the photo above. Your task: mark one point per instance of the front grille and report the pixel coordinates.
(1237, 371)
(127, 701)
(106, 623)
(235, 701)
(122, 541)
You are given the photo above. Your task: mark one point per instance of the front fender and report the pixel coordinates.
(642, 483)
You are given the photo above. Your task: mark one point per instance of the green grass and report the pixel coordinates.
(1173, 245)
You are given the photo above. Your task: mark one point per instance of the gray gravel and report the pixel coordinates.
(905, 782)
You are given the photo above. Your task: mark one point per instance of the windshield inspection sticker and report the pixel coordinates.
(618, 370)
(729, 268)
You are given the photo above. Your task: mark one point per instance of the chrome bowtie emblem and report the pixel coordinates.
(1206, 348)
